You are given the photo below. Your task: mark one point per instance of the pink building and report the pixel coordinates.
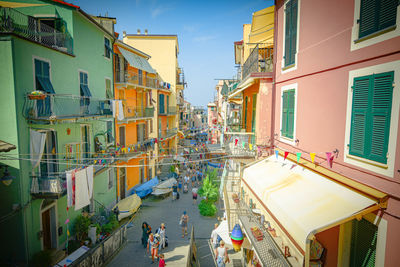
(212, 122)
(335, 118)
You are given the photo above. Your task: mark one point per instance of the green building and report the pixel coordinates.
(57, 49)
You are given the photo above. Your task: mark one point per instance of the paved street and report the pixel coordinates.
(155, 211)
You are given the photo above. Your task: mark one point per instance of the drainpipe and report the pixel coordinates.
(273, 104)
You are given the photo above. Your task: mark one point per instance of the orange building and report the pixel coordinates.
(167, 131)
(134, 81)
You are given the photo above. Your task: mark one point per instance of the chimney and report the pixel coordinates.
(123, 34)
(146, 31)
(138, 31)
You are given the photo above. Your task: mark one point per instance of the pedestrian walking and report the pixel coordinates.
(161, 263)
(184, 223)
(214, 237)
(174, 191)
(194, 195)
(180, 184)
(193, 179)
(221, 255)
(146, 230)
(161, 231)
(152, 246)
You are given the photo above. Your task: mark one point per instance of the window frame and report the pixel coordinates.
(380, 168)
(284, 139)
(374, 38)
(107, 50)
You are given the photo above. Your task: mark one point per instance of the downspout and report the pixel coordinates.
(273, 104)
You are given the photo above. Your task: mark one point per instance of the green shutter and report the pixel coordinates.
(293, 34)
(161, 104)
(364, 237)
(380, 116)
(376, 15)
(284, 131)
(253, 113)
(245, 112)
(359, 116)
(290, 113)
(371, 113)
(287, 33)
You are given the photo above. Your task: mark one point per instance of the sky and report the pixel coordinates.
(206, 31)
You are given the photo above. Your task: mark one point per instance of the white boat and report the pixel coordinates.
(128, 206)
(164, 187)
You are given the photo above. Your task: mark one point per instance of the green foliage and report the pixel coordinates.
(42, 258)
(107, 228)
(209, 190)
(207, 208)
(111, 225)
(81, 227)
(172, 168)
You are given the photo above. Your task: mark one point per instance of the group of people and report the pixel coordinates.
(190, 177)
(154, 242)
(220, 251)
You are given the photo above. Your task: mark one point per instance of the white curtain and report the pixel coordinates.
(89, 175)
(37, 142)
(120, 110)
(81, 190)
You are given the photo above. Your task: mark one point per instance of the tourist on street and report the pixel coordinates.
(146, 230)
(193, 179)
(174, 191)
(184, 223)
(221, 254)
(194, 195)
(152, 246)
(214, 237)
(186, 178)
(161, 231)
(161, 263)
(180, 184)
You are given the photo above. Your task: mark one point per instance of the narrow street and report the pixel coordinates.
(155, 211)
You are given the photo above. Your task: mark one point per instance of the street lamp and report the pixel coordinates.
(7, 178)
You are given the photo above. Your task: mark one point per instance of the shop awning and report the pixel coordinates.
(136, 61)
(6, 147)
(301, 201)
(262, 26)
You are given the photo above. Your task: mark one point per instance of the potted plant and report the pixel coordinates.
(37, 95)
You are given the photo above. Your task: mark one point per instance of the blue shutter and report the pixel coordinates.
(380, 116)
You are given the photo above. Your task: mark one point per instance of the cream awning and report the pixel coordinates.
(136, 61)
(302, 201)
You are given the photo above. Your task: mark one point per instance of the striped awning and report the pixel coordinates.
(136, 61)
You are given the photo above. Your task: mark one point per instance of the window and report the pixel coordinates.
(245, 111)
(85, 142)
(167, 103)
(290, 32)
(109, 132)
(253, 114)
(288, 105)
(42, 77)
(140, 132)
(376, 16)
(370, 116)
(109, 94)
(84, 89)
(161, 104)
(140, 74)
(110, 178)
(48, 165)
(122, 136)
(151, 126)
(107, 48)
(364, 237)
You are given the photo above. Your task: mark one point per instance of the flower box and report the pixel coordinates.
(36, 97)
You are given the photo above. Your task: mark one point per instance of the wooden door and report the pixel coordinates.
(46, 229)
(122, 182)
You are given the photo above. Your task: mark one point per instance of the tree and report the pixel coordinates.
(209, 190)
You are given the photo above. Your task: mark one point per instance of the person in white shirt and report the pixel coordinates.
(214, 237)
(194, 195)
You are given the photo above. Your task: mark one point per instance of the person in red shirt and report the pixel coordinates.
(161, 263)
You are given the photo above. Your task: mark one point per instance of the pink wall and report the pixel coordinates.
(264, 112)
(324, 43)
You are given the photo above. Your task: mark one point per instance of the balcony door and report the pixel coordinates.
(85, 147)
(141, 171)
(48, 225)
(122, 182)
(48, 165)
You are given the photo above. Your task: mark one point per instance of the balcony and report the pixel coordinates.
(171, 110)
(133, 79)
(30, 28)
(259, 60)
(56, 107)
(240, 145)
(167, 133)
(48, 186)
(137, 149)
(135, 113)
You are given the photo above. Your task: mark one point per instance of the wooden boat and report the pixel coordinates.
(164, 187)
(128, 206)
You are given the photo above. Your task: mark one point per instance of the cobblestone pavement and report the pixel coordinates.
(155, 211)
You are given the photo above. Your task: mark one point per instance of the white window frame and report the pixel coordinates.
(111, 46)
(284, 139)
(388, 168)
(374, 40)
(293, 67)
(34, 69)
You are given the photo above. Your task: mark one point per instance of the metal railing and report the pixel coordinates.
(136, 113)
(57, 106)
(48, 186)
(13, 21)
(137, 149)
(259, 60)
(167, 133)
(130, 77)
(171, 110)
(240, 144)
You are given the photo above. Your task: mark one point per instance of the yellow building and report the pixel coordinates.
(164, 50)
(135, 83)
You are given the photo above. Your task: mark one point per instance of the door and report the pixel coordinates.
(85, 142)
(48, 164)
(122, 182)
(46, 229)
(141, 171)
(122, 136)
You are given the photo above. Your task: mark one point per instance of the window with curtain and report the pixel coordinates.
(370, 116)
(84, 89)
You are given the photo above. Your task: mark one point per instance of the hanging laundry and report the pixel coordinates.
(89, 174)
(120, 110)
(37, 142)
(81, 190)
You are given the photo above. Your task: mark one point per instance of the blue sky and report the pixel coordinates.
(206, 31)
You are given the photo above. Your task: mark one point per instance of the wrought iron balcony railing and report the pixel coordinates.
(137, 149)
(240, 144)
(15, 22)
(167, 133)
(138, 113)
(171, 110)
(259, 60)
(133, 78)
(48, 186)
(57, 107)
